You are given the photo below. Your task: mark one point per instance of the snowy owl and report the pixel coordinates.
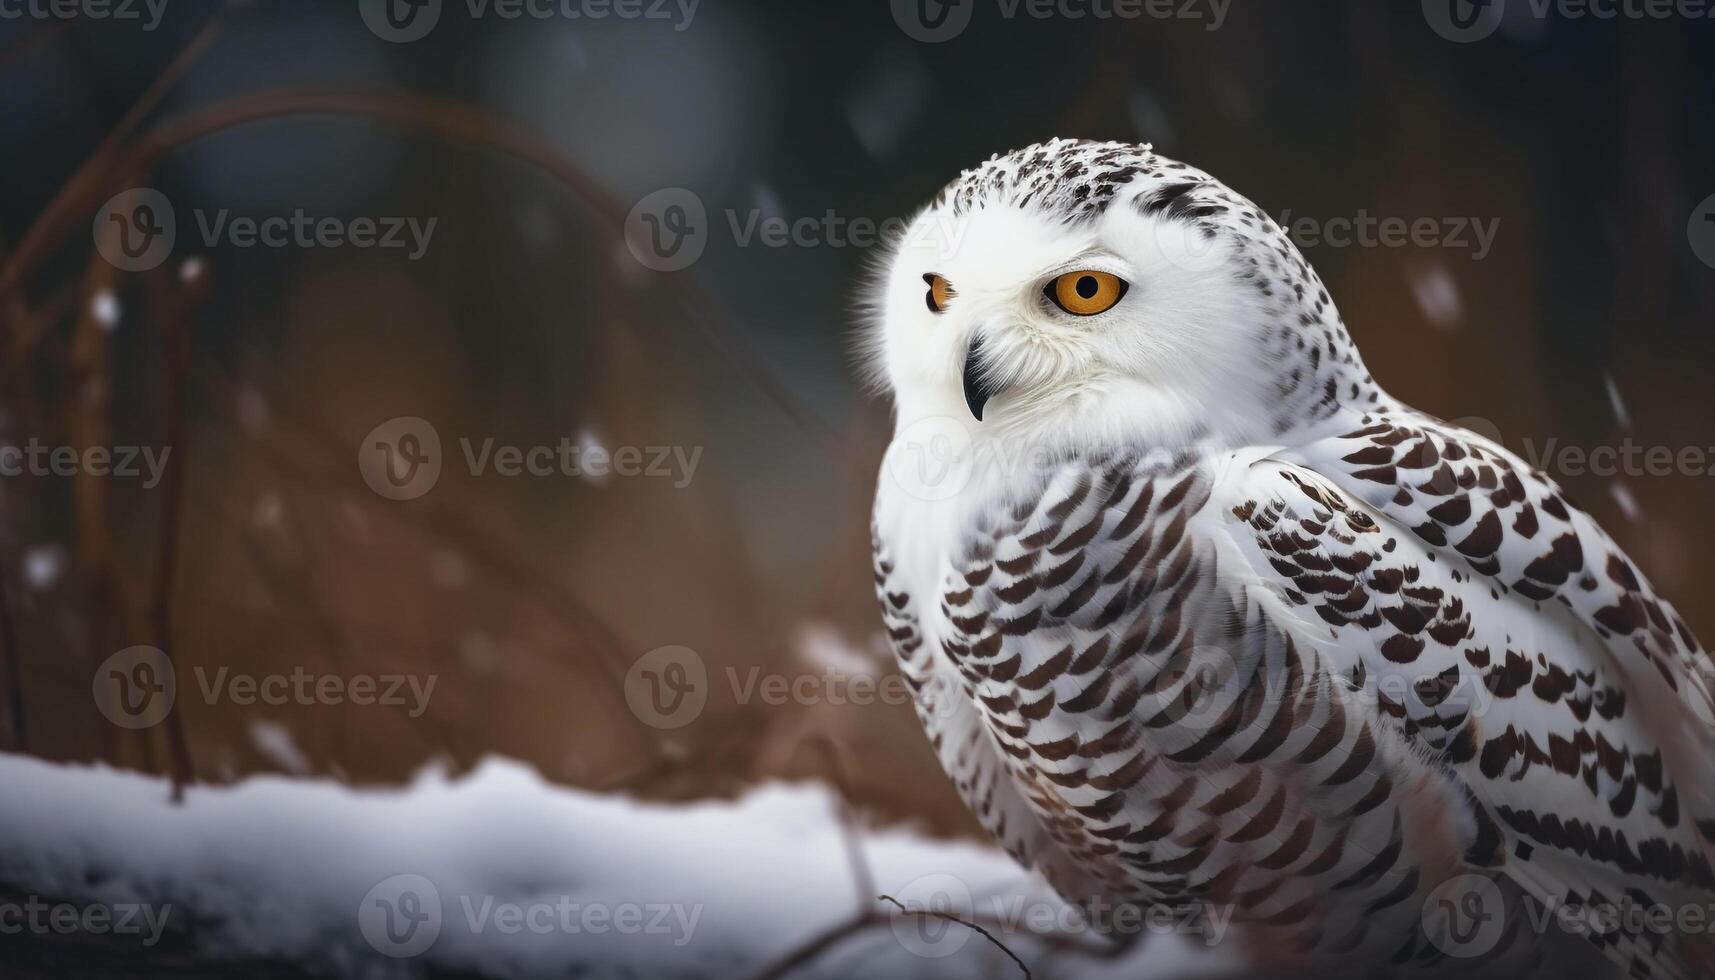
(1198, 616)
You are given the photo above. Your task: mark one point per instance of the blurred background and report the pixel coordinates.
(527, 316)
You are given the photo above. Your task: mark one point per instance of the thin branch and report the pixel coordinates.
(88, 365)
(14, 668)
(979, 930)
(439, 117)
(861, 873)
(815, 947)
(85, 188)
(174, 303)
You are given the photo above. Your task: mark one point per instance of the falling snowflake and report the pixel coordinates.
(1628, 502)
(275, 741)
(479, 653)
(1437, 294)
(450, 571)
(589, 444)
(891, 97)
(269, 509)
(104, 307)
(252, 410)
(1620, 414)
(43, 566)
(1149, 117)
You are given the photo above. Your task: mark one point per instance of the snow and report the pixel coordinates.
(504, 874)
(43, 565)
(104, 306)
(822, 645)
(1623, 417)
(275, 742)
(1438, 296)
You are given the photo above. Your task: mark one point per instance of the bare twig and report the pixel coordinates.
(83, 191)
(815, 947)
(89, 370)
(173, 303)
(950, 917)
(14, 668)
(438, 117)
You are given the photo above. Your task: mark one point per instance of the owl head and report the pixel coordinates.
(1100, 293)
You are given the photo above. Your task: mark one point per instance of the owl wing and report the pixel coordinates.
(1591, 738)
(1239, 680)
(1154, 707)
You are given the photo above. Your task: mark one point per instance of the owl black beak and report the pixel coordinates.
(979, 387)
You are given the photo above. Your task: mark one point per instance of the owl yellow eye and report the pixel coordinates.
(1087, 293)
(940, 292)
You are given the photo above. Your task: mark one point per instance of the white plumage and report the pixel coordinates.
(1198, 614)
